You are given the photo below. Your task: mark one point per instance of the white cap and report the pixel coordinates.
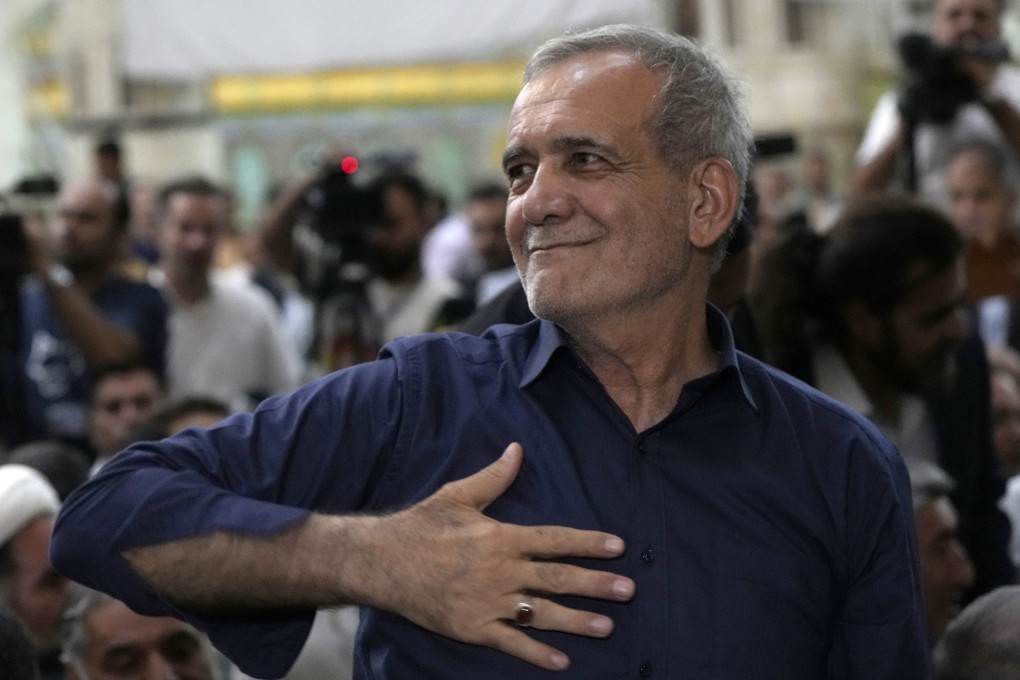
(24, 495)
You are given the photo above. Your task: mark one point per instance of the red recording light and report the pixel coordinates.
(349, 164)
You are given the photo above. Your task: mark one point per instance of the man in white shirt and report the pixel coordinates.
(968, 26)
(225, 339)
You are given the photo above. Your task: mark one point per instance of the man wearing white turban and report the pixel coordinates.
(29, 588)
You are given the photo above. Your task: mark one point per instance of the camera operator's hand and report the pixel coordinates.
(981, 70)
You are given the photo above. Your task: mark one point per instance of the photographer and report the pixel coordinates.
(79, 313)
(357, 252)
(910, 132)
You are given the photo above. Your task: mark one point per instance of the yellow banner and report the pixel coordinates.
(402, 86)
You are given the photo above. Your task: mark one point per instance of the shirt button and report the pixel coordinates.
(647, 555)
(646, 670)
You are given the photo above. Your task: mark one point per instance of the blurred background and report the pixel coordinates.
(250, 92)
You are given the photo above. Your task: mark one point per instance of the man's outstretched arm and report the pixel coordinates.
(440, 563)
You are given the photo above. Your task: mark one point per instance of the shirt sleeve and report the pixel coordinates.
(881, 128)
(322, 448)
(881, 633)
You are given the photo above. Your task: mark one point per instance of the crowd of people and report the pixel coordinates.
(265, 447)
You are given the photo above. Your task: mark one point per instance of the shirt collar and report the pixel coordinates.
(552, 338)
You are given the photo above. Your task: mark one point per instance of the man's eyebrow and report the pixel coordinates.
(510, 155)
(574, 143)
(560, 145)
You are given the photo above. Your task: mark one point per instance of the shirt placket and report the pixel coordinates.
(651, 569)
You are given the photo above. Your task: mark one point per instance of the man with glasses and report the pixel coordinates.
(78, 313)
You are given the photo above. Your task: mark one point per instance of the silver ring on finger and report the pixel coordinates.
(524, 612)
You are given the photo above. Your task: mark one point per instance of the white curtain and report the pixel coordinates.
(184, 39)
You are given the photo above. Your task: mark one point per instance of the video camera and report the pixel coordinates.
(937, 84)
(28, 196)
(342, 211)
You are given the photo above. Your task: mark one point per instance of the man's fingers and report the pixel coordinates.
(557, 541)
(567, 579)
(515, 642)
(490, 482)
(547, 615)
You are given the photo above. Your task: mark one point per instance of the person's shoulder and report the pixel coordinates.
(129, 291)
(779, 394)
(499, 344)
(244, 294)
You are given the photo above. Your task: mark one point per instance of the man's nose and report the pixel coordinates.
(547, 196)
(158, 668)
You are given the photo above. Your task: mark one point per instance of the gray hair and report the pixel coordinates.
(928, 482)
(998, 159)
(80, 602)
(982, 641)
(702, 113)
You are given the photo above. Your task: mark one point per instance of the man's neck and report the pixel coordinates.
(644, 372)
(189, 290)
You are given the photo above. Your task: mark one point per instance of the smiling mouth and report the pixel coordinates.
(545, 247)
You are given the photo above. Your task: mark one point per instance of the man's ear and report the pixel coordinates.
(862, 323)
(715, 194)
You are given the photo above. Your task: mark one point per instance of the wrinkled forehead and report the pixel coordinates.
(589, 95)
(600, 71)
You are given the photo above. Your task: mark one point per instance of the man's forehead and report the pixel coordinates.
(137, 378)
(89, 194)
(592, 89)
(590, 70)
(948, 6)
(191, 205)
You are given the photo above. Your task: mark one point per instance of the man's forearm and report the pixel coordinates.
(100, 341)
(275, 229)
(1008, 119)
(322, 561)
(877, 173)
(440, 563)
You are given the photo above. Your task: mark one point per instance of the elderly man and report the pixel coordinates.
(664, 506)
(946, 569)
(29, 588)
(102, 639)
(981, 644)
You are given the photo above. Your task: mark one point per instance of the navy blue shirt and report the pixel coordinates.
(769, 530)
(58, 383)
